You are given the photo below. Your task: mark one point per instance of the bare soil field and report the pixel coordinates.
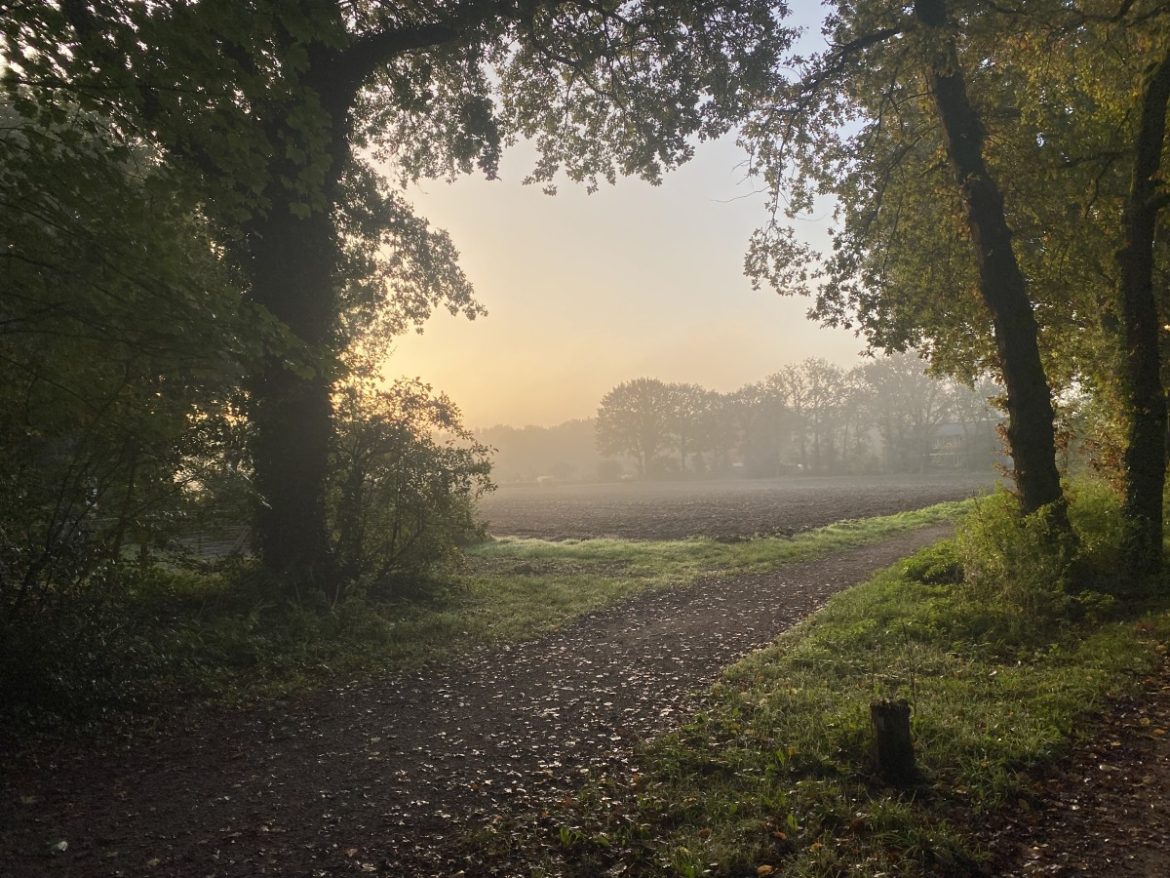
(725, 509)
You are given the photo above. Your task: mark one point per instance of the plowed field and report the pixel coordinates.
(729, 509)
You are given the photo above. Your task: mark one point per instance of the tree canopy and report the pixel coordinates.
(284, 115)
(986, 163)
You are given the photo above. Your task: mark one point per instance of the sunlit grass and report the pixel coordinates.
(701, 554)
(775, 776)
(515, 588)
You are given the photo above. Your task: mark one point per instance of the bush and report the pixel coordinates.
(1021, 562)
(95, 652)
(1095, 513)
(1033, 572)
(406, 476)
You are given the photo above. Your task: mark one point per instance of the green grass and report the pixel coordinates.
(218, 637)
(776, 774)
(517, 588)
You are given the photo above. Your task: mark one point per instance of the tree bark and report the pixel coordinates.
(1030, 432)
(1145, 398)
(292, 275)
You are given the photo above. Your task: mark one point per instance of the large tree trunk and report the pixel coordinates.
(1030, 432)
(294, 261)
(1145, 399)
(292, 275)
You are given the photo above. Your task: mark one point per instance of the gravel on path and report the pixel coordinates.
(383, 777)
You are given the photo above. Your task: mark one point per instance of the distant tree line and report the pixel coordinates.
(888, 415)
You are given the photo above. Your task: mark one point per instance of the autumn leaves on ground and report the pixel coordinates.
(471, 741)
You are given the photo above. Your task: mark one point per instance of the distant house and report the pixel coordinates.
(966, 446)
(948, 447)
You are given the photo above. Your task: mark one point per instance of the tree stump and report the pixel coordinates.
(893, 750)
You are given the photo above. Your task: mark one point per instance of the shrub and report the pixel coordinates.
(1095, 513)
(406, 476)
(1023, 563)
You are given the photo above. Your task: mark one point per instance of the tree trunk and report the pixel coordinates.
(292, 275)
(1030, 432)
(294, 258)
(1145, 399)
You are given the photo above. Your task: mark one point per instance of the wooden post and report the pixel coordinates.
(893, 751)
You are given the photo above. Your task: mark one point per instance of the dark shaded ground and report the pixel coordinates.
(723, 509)
(1106, 810)
(384, 777)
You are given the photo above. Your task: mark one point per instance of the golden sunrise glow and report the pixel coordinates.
(586, 291)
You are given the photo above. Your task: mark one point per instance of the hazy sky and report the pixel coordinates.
(586, 291)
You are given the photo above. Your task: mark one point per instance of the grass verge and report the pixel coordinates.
(211, 636)
(775, 777)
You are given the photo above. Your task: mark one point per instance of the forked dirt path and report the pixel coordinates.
(381, 778)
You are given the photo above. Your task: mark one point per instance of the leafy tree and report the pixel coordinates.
(824, 401)
(1030, 430)
(789, 388)
(1145, 459)
(635, 419)
(1053, 112)
(731, 420)
(908, 407)
(121, 348)
(814, 392)
(279, 108)
(1096, 144)
(855, 420)
(858, 124)
(978, 417)
(690, 420)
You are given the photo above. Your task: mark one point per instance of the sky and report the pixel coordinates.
(586, 291)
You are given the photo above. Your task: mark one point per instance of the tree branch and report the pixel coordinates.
(367, 53)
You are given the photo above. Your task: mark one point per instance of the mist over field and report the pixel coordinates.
(810, 418)
(723, 509)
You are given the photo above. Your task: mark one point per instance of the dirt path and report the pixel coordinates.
(1106, 811)
(379, 778)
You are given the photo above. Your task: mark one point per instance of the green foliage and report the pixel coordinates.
(122, 343)
(1057, 88)
(634, 418)
(1095, 512)
(1020, 562)
(1032, 574)
(301, 108)
(406, 475)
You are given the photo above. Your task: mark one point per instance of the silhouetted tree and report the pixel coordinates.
(279, 109)
(635, 419)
